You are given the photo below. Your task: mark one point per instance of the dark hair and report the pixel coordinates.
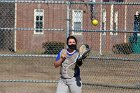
(71, 37)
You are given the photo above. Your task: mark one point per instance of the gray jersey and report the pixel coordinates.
(70, 60)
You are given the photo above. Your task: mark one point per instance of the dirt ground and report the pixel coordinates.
(98, 76)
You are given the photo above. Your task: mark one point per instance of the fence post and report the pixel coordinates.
(68, 19)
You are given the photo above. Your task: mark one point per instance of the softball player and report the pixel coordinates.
(67, 84)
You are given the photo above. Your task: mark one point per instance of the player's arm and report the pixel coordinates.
(59, 59)
(59, 62)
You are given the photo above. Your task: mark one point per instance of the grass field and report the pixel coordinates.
(98, 75)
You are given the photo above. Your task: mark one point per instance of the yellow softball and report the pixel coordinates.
(95, 22)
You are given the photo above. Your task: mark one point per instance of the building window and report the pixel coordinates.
(119, 0)
(77, 19)
(38, 21)
(113, 0)
(115, 23)
(137, 22)
(105, 0)
(104, 21)
(92, 0)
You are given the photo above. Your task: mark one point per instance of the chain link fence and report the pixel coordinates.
(33, 32)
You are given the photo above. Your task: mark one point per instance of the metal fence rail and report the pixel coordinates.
(30, 30)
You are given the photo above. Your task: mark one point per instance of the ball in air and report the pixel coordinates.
(95, 22)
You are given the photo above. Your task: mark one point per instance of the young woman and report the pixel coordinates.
(65, 58)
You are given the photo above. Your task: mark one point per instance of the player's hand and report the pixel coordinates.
(63, 56)
(79, 62)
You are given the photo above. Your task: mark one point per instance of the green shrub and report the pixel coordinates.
(52, 47)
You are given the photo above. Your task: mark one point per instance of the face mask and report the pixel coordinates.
(72, 47)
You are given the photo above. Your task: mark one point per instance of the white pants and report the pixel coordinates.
(72, 85)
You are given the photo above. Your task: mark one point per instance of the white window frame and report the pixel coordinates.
(111, 18)
(115, 22)
(77, 18)
(104, 21)
(38, 12)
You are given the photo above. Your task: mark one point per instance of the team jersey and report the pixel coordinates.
(70, 59)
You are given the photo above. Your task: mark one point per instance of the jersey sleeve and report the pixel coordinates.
(58, 56)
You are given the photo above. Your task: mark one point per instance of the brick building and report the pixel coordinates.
(39, 21)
